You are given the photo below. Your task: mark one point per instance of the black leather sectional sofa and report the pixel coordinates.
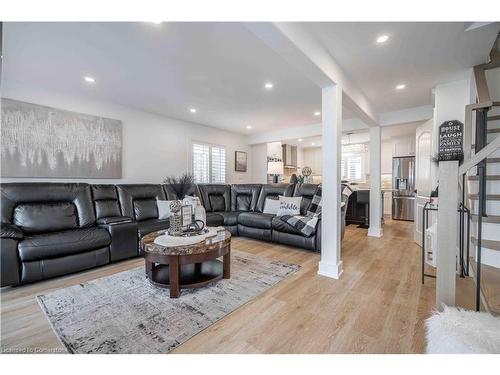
(52, 229)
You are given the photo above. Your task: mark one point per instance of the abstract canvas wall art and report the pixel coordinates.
(240, 161)
(40, 141)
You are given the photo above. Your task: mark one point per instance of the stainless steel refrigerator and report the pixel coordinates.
(403, 188)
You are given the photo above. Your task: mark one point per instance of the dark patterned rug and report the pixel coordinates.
(124, 313)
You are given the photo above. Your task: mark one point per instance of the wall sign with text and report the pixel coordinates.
(451, 135)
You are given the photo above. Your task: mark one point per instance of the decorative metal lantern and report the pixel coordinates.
(175, 219)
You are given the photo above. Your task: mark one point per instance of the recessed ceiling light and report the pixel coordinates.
(249, 127)
(268, 86)
(192, 110)
(300, 140)
(382, 38)
(313, 144)
(400, 86)
(156, 22)
(89, 79)
(317, 113)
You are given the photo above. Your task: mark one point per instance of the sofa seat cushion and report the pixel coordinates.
(230, 218)
(215, 219)
(255, 220)
(152, 225)
(53, 245)
(284, 227)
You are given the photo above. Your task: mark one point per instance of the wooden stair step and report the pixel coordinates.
(489, 197)
(494, 118)
(493, 160)
(490, 177)
(487, 219)
(489, 244)
(496, 130)
(490, 286)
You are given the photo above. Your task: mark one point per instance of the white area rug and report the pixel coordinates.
(462, 332)
(124, 313)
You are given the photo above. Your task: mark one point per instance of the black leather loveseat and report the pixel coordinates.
(52, 229)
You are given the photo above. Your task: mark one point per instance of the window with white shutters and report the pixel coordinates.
(354, 167)
(209, 163)
(353, 160)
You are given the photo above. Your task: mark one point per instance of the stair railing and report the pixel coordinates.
(482, 152)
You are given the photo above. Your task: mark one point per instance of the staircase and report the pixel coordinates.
(489, 270)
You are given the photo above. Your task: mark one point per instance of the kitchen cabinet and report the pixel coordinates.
(311, 157)
(403, 146)
(386, 158)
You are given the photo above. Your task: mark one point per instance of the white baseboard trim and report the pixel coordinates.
(375, 232)
(330, 270)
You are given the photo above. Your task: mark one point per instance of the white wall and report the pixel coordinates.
(154, 146)
(386, 157)
(259, 163)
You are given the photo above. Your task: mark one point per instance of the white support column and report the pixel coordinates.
(375, 229)
(447, 234)
(330, 264)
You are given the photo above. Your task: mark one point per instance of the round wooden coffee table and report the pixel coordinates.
(187, 266)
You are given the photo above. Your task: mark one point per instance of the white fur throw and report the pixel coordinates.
(460, 331)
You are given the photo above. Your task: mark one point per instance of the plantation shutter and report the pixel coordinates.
(201, 163)
(218, 164)
(343, 169)
(354, 168)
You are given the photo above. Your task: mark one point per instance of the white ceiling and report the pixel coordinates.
(418, 54)
(359, 136)
(220, 68)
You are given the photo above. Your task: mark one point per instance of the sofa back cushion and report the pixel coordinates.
(105, 201)
(35, 218)
(217, 202)
(145, 209)
(306, 191)
(215, 198)
(139, 201)
(107, 208)
(41, 206)
(244, 197)
(272, 191)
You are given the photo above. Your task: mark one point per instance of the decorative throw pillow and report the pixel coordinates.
(191, 201)
(271, 206)
(163, 209)
(289, 206)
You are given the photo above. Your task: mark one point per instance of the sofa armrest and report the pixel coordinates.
(318, 236)
(113, 220)
(124, 239)
(9, 262)
(11, 231)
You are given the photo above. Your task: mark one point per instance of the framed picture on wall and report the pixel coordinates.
(240, 161)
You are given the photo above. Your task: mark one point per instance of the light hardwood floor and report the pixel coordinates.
(378, 305)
